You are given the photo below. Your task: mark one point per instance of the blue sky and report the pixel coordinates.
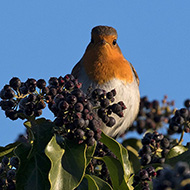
(40, 39)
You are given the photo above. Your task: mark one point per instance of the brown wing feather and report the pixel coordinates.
(136, 75)
(76, 69)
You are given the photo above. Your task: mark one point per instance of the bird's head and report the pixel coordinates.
(104, 39)
(103, 59)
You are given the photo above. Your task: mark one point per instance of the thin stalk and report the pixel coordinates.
(181, 138)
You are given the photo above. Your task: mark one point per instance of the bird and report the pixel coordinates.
(104, 66)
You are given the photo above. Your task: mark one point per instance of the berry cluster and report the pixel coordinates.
(152, 115)
(20, 100)
(143, 177)
(8, 168)
(181, 120)
(105, 110)
(155, 148)
(177, 178)
(75, 118)
(74, 110)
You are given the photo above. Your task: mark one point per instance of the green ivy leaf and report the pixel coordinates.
(67, 165)
(103, 185)
(8, 150)
(34, 165)
(134, 159)
(89, 153)
(130, 182)
(116, 172)
(120, 152)
(176, 150)
(55, 153)
(83, 185)
(126, 163)
(133, 142)
(91, 183)
(185, 156)
(74, 160)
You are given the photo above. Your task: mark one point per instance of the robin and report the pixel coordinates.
(104, 66)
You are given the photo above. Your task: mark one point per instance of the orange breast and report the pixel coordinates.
(104, 64)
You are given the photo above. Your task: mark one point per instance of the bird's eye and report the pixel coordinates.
(114, 42)
(92, 40)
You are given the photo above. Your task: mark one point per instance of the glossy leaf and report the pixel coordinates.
(91, 183)
(185, 156)
(8, 150)
(55, 153)
(74, 160)
(116, 172)
(67, 165)
(83, 185)
(89, 153)
(133, 142)
(176, 150)
(134, 159)
(130, 182)
(120, 152)
(101, 183)
(126, 163)
(34, 165)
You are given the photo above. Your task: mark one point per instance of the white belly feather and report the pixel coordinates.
(128, 93)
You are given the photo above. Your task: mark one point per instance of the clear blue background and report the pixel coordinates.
(47, 38)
